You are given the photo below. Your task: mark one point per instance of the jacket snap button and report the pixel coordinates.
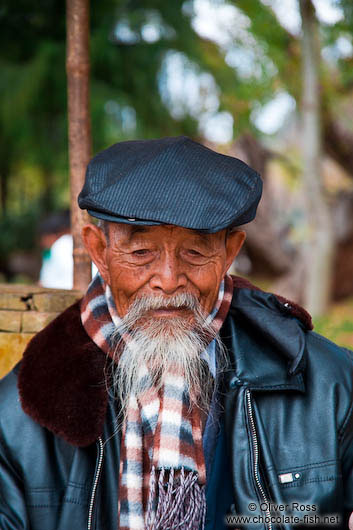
(234, 382)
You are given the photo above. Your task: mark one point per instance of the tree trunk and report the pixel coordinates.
(342, 211)
(318, 244)
(78, 68)
(264, 242)
(338, 143)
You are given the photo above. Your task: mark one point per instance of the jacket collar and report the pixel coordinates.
(61, 376)
(61, 380)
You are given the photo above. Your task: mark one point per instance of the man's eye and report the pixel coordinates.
(195, 257)
(141, 252)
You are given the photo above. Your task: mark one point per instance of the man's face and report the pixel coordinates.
(162, 261)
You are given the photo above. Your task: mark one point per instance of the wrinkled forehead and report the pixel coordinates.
(128, 232)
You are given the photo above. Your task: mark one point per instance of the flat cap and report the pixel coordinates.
(170, 181)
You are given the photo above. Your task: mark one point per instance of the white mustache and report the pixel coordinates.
(144, 304)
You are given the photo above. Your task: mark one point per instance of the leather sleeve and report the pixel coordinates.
(346, 458)
(13, 515)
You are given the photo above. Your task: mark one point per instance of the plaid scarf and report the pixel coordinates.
(162, 467)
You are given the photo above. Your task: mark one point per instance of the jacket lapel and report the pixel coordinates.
(265, 336)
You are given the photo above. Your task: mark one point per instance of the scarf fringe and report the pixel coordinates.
(175, 502)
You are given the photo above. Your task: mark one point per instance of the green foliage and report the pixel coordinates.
(18, 232)
(339, 330)
(126, 84)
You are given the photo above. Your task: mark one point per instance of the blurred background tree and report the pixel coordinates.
(227, 73)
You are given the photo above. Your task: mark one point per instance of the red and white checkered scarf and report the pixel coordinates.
(162, 467)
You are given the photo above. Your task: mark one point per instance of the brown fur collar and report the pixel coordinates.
(61, 377)
(61, 382)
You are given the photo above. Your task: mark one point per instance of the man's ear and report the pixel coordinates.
(234, 242)
(96, 245)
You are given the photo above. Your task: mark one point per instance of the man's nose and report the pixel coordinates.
(168, 275)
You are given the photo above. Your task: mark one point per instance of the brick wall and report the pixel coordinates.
(25, 310)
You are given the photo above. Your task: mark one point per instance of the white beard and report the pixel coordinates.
(164, 345)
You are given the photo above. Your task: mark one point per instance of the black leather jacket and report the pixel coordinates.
(287, 425)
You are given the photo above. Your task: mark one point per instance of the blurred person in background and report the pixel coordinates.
(56, 242)
(57, 245)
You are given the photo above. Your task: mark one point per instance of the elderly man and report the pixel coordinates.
(175, 396)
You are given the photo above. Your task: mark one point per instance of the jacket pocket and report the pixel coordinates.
(317, 485)
(55, 509)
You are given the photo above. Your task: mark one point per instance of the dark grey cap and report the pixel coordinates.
(170, 181)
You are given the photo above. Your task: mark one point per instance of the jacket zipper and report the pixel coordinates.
(256, 457)
(95, 482)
